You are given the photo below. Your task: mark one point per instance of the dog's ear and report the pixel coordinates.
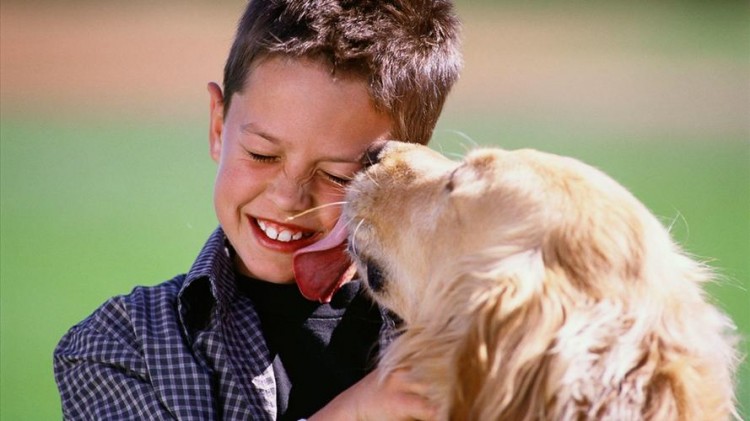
(624, 357)
(608, 246)
(502, 361)
(521, 351)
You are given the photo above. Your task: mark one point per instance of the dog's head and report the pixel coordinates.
(415, 216)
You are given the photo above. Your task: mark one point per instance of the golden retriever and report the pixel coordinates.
(535, 287)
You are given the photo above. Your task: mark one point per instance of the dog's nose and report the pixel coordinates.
(375, 277)
(372, 154)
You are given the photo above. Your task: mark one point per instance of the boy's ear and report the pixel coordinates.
(216, 120)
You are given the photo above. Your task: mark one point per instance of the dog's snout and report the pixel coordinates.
(372, 154)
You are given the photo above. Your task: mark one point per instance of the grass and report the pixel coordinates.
(88, 211)
(91, 209)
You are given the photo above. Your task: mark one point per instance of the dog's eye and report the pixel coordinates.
(451, 184)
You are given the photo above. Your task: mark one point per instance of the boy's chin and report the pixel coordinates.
(267, 273)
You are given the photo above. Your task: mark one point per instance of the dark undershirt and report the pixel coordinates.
(320, 349)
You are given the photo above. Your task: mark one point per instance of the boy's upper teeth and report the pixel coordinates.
(278, 233)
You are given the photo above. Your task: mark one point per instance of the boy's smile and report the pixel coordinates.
(282, 237)
(289, 142)
(283, 233)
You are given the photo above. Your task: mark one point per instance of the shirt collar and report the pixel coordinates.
(209, 283)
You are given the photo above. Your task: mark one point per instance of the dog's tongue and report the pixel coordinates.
(322, 267)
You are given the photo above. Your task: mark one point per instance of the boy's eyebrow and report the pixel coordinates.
(252, 128)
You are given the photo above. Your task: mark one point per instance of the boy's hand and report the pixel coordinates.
(396, 398)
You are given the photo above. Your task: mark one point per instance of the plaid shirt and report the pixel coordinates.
(191, 348)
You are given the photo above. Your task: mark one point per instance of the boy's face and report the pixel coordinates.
(288, 143)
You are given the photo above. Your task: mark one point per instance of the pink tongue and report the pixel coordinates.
(321, 268)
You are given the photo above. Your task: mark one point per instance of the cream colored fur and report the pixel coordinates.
(534, 287)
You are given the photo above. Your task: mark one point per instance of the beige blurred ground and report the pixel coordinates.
(111, 57)
(601, 68)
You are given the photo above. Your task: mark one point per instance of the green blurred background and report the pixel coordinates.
(106, 178)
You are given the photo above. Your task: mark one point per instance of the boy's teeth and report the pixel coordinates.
(272, 233)
(278, 234)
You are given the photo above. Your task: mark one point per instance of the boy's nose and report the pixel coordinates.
(290, 194)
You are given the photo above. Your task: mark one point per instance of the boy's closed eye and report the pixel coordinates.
(262, 158)
(339, 180)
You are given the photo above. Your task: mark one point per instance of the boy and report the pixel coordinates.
(308, 87)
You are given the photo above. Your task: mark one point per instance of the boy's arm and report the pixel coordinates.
(103, 377)
(395, 398)
(101, 371)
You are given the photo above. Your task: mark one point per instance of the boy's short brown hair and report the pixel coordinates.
(407, 50)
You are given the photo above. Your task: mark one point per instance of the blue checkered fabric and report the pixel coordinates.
(189, 349)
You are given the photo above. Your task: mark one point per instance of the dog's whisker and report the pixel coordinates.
(370, 177)
(468, 138)
(454, 155)
(472, 144)
(679, 218)
(315, 209)
(439, 147)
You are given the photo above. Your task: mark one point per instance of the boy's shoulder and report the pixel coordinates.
(132, 343)
(126, 316)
